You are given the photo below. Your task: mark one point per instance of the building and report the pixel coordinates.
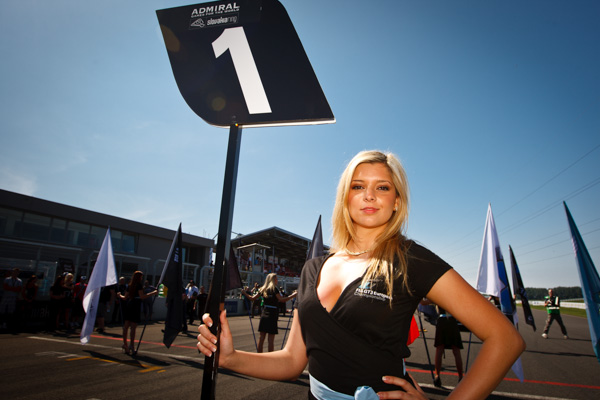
(272, 250)
(47, 238)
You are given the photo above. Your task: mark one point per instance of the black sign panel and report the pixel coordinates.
(242, 62)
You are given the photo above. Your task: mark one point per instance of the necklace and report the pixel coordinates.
(358, 253)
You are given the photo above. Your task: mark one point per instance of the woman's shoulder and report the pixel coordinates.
(418, 252)
(313, 265)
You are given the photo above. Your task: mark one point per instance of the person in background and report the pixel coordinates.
(78, 292)
(148, 303)
(12, 287)
(244, 294)
(270, 314)
(202, 297)
(29, 294)
(447, 336)
(117, 313)
(191, 292)
(132, 307)
(256, 304)
(356, 304)
(552, 304)
(106, 298)
(67, 306)
(282, 305)
(57, 296)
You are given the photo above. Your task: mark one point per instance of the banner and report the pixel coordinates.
(103, 274)
(492, 278)
(590, 283)
(172, 279)
(316, 246)
(520, 289)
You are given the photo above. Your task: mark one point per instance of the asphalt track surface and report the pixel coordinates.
(54, 365)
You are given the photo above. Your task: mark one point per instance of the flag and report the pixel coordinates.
(492, 278)
(590, 283)
(316, 246)
(171, 278)
(520, 289)
(103, 274)
(488, 279)
(232, 277)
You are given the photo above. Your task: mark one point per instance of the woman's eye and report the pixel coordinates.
(356, 187)
(385, 188)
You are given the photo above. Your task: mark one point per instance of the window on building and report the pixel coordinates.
(58, 231)
(36, 227)
(78, 234)
(10, 222)
(97, 236)
(128, 243)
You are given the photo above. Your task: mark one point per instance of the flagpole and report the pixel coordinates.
(468, 351)
(144, 330)
(288, 325)
(252, 326)
(216, 293)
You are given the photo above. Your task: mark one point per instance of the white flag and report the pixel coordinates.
(103, 274)
(488, 280)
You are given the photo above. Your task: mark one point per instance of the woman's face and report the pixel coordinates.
(372, 197)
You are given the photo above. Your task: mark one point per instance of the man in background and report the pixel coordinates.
(552, 304)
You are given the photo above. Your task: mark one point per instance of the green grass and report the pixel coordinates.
(576, 312)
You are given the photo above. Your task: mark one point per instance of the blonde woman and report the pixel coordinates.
(356, 304)
(270, 313)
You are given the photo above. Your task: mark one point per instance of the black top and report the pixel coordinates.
(270, 298)
(362, 338)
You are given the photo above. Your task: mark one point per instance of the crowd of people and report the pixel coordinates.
(21, 307)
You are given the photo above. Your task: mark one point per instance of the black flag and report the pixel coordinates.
(316, 246)
(520, 289)
(232, 277)
(171, 278)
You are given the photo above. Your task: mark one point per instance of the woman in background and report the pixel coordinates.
(132, 308)
(270, 313)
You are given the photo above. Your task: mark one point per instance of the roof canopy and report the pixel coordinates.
(276, 242)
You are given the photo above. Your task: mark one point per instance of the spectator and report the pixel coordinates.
(270, 314)
(132, 306)
(8, 305)
(78, 292)
(552, 304)
(191, 293)
(148, 303)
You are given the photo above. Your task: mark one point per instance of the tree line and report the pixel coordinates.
(562, 292)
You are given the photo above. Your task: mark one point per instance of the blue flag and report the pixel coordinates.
(506, 300)
(590, 283)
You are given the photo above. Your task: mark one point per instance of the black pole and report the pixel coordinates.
(468, 351)
(144, 330)
(252, 326)
(216, 294)
(426, 349)
(288, 324)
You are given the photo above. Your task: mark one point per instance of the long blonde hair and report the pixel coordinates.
(269, 286)
(391, 244)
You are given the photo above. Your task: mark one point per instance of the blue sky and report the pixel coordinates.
(484, 102)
